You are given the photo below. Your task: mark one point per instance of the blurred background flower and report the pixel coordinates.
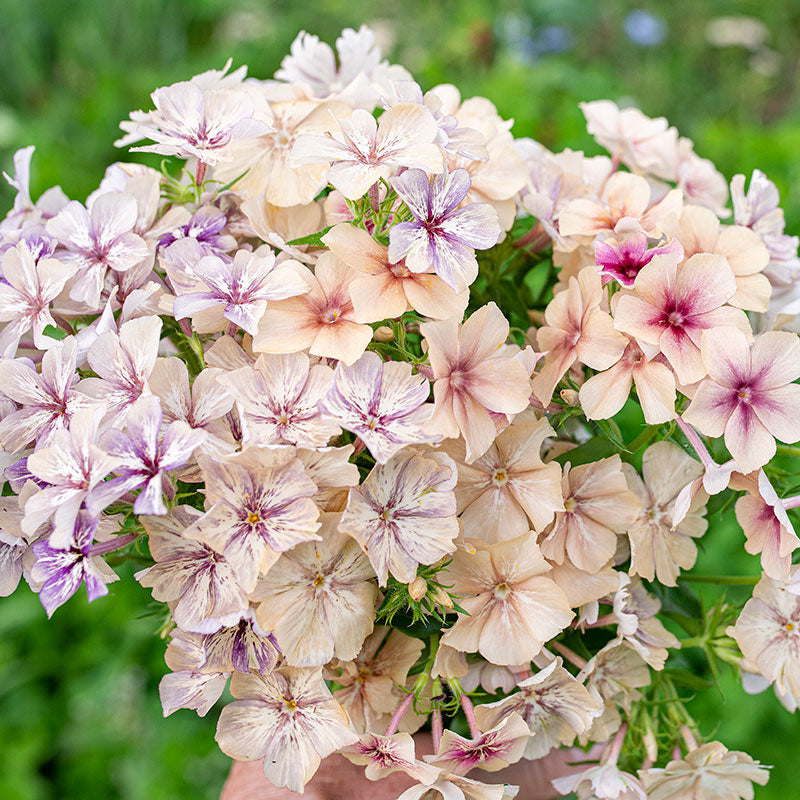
(79, 710)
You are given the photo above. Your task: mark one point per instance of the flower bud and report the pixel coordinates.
(570, 397)
(383, 333)
(441, 597)
(417, 589)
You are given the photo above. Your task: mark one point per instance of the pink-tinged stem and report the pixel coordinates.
(394, 722)
(469, 713)
(374, 197)
(696, 442)
(791, 502)
(113, 544)
(186, 327)
(615, 748)
(606, 619)
(437, 729)
(570, 655)
(688, 738)
(531, 236)
(200, 175)
(359, 446)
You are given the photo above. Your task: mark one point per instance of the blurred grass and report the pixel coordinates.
(79, 710)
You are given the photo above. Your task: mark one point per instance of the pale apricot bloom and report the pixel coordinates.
(700, 231)
(508, 490)
(576, 329)
(710, 771)
(768, 634)
(322, 321)
(514, 608)
(597, 506)
(384, 290)
(604, 394)
(656, 548)
(623, 197)
(287, 718)
(369, 693)
(555, 706)
(472, 378)
(319, 599)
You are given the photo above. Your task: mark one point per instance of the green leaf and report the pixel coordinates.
(682, 677)
(54, 333)
(313, 239)
(611, 431)
(593, 450)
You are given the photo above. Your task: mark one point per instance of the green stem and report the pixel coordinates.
(788, 450)
(643, 438)
(728, 580)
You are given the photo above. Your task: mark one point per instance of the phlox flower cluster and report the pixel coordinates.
(353, 378)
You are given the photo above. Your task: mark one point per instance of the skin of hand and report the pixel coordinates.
(338, 779)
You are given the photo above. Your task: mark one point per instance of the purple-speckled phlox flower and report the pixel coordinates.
(124, 362)
(240, 290)
(97, 239)
(192, 121)
(621, 259)
(144, 456)
(72, 468)
(442, 235)
(382, 755)
(365, 150)
(278, 400)
(60, 571)
(205, 228)
(27, 289)
(381, 402)
(48, 399)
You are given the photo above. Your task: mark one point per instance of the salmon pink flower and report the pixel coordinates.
(472, 379)
(240, 290)
(386, 290)
(278, 399)
(365, 150)
(576, 329)
(381, 402)
(319, 599)
(321, 320)
(670, 307)
(255, 514)
(404, 513)
(749, 396)
(513, 607)
(442, 236)
(288, 719)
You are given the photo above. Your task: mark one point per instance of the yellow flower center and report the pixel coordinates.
(253, 518)
(500, 476)
(570, 504)
(502, 591)
(789, 626)
(319, 580)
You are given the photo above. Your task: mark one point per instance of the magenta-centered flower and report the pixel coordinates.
(621, 260)
(381, 402)
(749, 395)
(442, 235)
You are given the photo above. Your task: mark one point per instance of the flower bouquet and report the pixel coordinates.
(412, 423)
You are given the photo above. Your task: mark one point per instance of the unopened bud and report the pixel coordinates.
(649, 741)
(441, 597)
(417, 589)
(383, 333)
(570, 397)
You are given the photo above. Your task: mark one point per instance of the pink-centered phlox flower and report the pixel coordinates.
(73, 468)
(621, 260)
(386, 290)
(472, 378)
(671, 306)
(322, 320)
(404, 513)
(604, 394)
(383, 403)
(442, 236)
(48, 399)
(239, 291)
(205, 227)
(512, 606)
(750, 396)
(97, 239)
(288, 719)
(555, 706)
(319, 599)
(59, 571)
(28, 288)
(190, 120)
(382, 755)
(255, 514)
(576, 329)
(197, 580)
(493, 750)
(364, 150)
(124, 362)
(278, 400)
(768, 634)
(766, 525)
(144, 456)
(509, 489)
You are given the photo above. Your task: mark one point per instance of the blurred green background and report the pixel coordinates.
(79, 710)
